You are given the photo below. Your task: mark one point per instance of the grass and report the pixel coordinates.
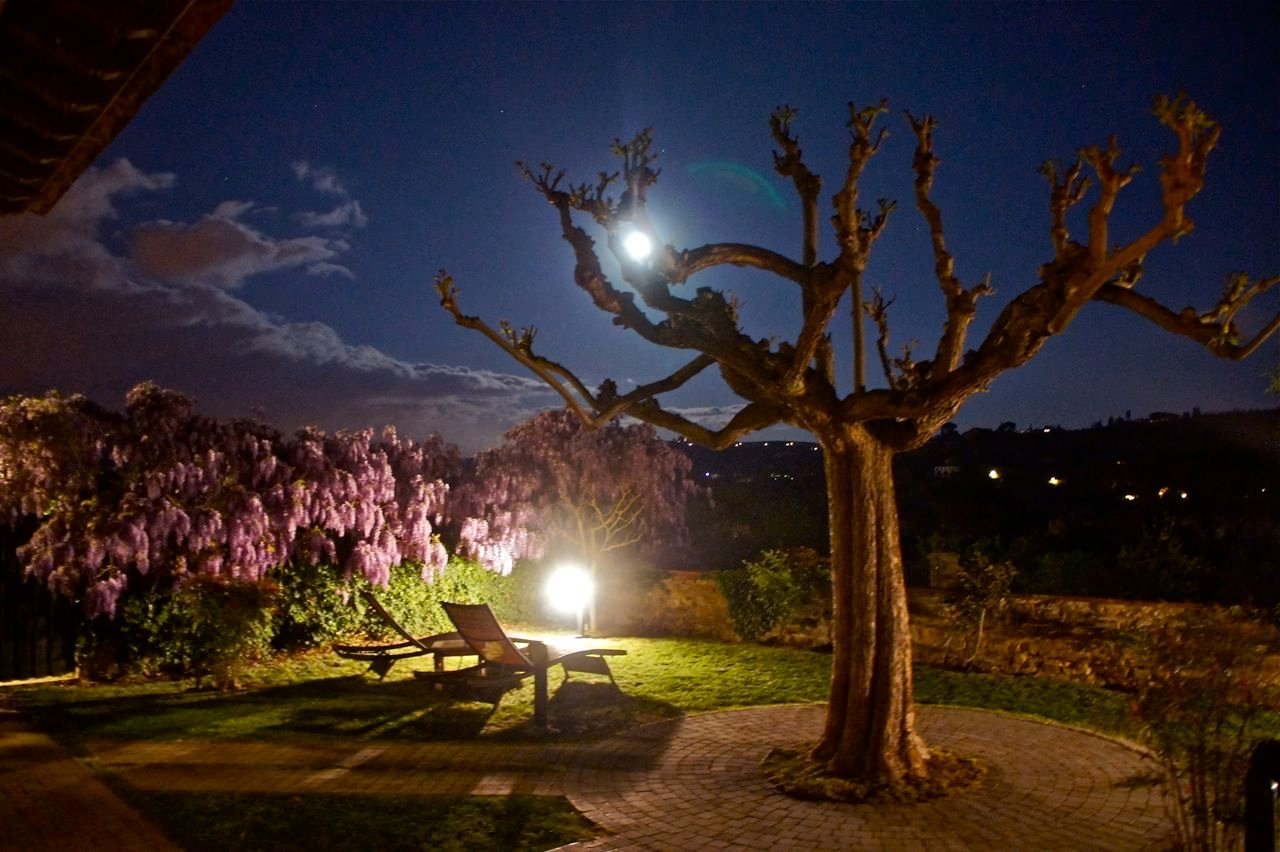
(213, 822)
(319, 697)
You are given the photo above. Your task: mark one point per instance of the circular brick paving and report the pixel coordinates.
(695, 783)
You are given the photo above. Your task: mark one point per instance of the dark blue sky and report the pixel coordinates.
(263, 235)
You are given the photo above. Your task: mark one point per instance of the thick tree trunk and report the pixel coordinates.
(870, 728)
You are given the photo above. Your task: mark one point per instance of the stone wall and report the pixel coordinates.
(675, 603)
(1083, 640)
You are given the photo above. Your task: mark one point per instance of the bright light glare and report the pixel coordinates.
(993, 473)
(1053, 480)
(637, 245)
(569, 589)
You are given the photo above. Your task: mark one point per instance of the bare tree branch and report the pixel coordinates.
(961, 303)
(1214, 329)
(855, 231)
(878, 310)
(1110, 182)
(520, 347)
(1062, 197)
(790, 164)
(678, 267)
(609, 404)
(752, 417)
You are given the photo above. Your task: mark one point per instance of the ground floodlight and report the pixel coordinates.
(569, 590)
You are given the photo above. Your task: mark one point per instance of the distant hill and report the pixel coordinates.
(1207, 486)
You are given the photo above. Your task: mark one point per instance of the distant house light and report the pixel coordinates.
(1047, 430)
(1131, 497)
(1053, 480)
(1183, 495)
(1163, 491)
(993, 473)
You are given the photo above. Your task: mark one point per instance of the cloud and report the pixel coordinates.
(710, 416)
(321, 179)
(344, 214)
(82, 319)
(71, 228)
(223, 251)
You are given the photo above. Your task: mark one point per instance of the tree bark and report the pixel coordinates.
(870, 731)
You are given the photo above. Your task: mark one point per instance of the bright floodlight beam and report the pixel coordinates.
(638, 245)
(569, 590)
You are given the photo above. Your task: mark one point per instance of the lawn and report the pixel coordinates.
(319, 697)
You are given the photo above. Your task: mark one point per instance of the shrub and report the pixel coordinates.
(1159, 564)
(214, 625)
(314, 605)
(981, 589)
(773, 587)
(416, 604)
(1202, 707)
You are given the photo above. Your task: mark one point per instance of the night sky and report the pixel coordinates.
(263, 234)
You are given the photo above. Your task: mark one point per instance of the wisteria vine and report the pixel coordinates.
(164, 492)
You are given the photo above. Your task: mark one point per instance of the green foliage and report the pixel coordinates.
(981, 590)
(209, 626)
(982, 586)
(1158, 565)
(416, 603)
(1058, 572)
(216, 625)
(1203, 706)
(773, 587)
(314, 605)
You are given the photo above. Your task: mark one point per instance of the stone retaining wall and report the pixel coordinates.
(1084, 640)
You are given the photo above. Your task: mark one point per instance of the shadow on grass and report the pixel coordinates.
(352, 707)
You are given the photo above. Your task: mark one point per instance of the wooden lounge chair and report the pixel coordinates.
(505, 661)
(382, 657)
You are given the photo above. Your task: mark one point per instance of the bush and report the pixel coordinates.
(981, 589)
(314, 605)
(1158, 564)
(1203, 706)
(765, 592)
(416, 604)
(214, 625)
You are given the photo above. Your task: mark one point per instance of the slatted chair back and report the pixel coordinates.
(480, 629)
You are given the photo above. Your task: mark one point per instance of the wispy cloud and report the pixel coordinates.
(321, 179)
(325, 181)
(340, 216)
(81, 318)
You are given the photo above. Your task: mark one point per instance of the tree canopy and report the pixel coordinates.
(166, 492)
(594, 490)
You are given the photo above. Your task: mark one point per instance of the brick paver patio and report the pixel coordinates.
(687, 784)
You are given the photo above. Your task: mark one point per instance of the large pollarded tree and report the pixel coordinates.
(870, 729)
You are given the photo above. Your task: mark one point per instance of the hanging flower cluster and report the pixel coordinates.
(167, 492)
(594, 489)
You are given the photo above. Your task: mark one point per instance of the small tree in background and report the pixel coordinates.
(870, 730)
(982, 589)
(590, 491)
